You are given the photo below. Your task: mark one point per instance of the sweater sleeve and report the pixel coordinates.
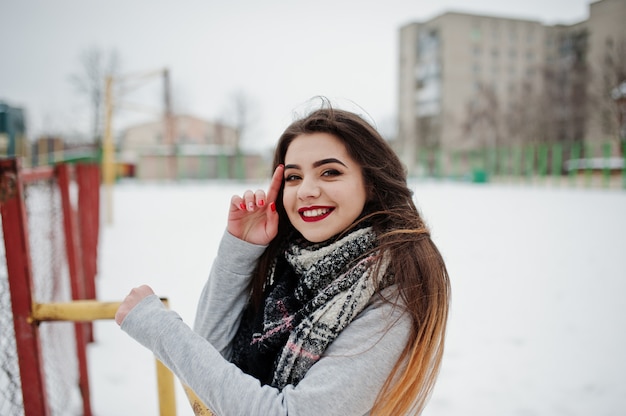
(225, 293)
(344, 382)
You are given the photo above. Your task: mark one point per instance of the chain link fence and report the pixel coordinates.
(583, 165)
(10, 384)
(51, 283)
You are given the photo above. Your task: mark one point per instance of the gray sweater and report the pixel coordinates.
(344, 382)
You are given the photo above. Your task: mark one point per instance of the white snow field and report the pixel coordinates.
(538, 318)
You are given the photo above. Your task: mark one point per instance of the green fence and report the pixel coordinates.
(572, 164)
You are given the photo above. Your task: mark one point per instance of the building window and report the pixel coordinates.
(512, 88)
(476, 34)
(495, 30)
(428, 73)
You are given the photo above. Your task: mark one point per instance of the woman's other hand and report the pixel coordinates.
(135, 296)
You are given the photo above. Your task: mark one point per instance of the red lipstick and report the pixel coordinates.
(315, 213)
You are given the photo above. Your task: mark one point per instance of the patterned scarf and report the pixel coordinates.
(313, 293)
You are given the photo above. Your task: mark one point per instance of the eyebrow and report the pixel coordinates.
(318, 163)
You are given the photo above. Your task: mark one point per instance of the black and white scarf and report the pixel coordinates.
(314, 291)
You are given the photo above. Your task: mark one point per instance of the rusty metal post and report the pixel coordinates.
(72, 249)
(88, 181)
(15, 228)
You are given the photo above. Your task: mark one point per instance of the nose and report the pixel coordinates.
(309, 188)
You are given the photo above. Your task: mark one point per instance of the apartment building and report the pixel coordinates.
(474, 81)
(607, 61)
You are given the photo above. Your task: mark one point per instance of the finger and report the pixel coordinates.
(271, 221)
(237, 203)
(277, 181)
(259, 197)
(248, 198)
(144, 291)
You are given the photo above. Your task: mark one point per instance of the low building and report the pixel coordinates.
(13, 141)
(197, 149)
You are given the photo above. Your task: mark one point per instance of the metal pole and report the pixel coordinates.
(17, 251)
(574, 158)
(557, 162)
(89, 310)
(77, 282)
(606, 170)
(108, 151)
(169, 125)
(624, 164)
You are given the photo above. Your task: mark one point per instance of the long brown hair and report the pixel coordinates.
(417, 265)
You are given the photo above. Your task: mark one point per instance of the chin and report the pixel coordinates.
(315, 237)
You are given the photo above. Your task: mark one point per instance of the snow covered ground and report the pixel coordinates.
(538, 319)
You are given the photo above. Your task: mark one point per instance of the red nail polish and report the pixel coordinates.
(261, 202)
(242, 206)
(273, 207)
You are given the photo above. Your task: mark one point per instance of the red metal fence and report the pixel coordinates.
(50, 228)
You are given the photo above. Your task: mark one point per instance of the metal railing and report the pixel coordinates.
(597, 165)
(50, 274)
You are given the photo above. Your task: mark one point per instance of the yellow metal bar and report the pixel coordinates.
(140, 75)
(91, 310)
(78, 311)
(198, 407)
(165, 386)
(108, 150)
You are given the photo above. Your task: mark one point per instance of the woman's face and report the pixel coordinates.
(324, 188)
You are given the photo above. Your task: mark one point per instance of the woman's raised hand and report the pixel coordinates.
(253, 217)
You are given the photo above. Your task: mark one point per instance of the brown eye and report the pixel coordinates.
(331, 172)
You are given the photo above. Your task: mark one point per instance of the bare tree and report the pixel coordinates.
(557, 111)
(612, 75)
(242, 114)
(89, 80)
(534, 114)
(483, 122)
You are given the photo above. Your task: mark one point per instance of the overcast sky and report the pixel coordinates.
(280, 53)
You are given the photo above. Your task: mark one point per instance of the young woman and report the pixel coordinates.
(327, 296)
